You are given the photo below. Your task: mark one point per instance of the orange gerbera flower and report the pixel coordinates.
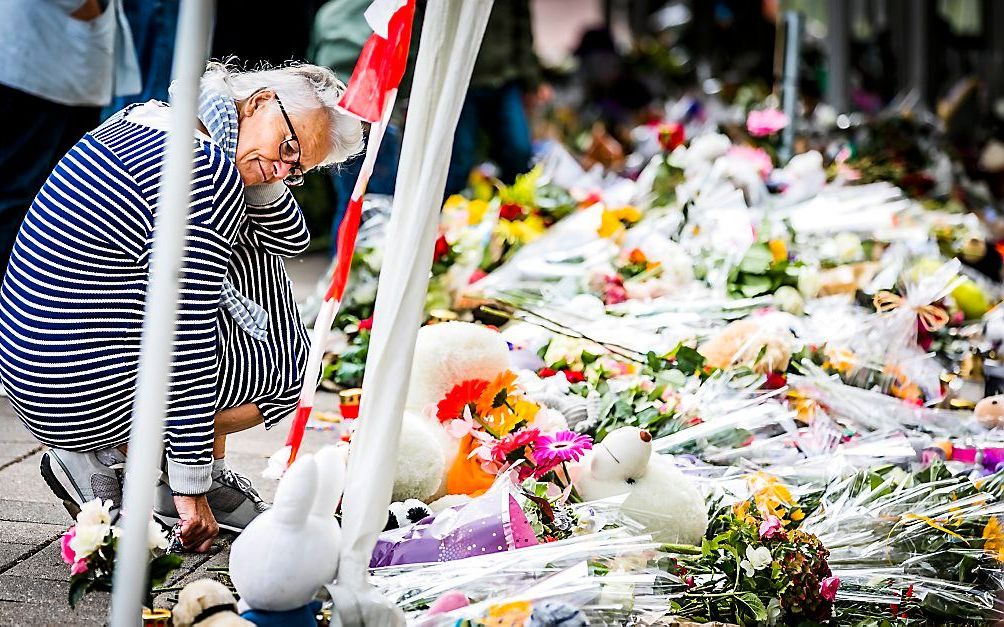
(494, 407)
(464, 394)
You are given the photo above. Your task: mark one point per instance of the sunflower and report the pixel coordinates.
(464, 394)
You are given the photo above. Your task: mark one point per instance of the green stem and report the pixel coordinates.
(683, 549)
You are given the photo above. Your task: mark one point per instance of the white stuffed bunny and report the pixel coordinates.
(658, 495)
(290, 551)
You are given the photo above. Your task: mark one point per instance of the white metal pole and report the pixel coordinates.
(789, 93)
(146, 435)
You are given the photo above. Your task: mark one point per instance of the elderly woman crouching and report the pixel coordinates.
(71, 304)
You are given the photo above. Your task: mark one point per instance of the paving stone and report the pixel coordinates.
(28, 532)
(54, 612)
(22, 482)
(12, 452)
(45, 564)
(11, 552)
(29, 511)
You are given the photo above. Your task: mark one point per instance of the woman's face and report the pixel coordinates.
(262, 129)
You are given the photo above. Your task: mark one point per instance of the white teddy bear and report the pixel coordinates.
(658, 495)
(446, 354)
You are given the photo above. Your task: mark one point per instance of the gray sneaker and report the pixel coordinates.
(76, 478)
(232, 498)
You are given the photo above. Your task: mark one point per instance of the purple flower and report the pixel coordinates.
(563, 446)
(771, 527)
(828, 588)
(761, 123)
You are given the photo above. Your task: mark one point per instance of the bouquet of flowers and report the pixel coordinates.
(752, 570)
(500, 428)
(88, 547)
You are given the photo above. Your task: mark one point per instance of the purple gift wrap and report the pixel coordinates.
(490, 523)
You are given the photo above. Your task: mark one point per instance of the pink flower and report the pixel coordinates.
(771, 527)
(757, 156)
(828, 588)
(68, 555)
(79, 566)
(563, 446)
(761, 123)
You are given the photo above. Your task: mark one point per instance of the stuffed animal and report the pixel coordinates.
(289, 552)
(741, 343)
(990, 411)
(446, 354)
(658, 495)
(207, 603)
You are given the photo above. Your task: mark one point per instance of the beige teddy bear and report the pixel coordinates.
(990, 411)
(207, 603)
(742, 341)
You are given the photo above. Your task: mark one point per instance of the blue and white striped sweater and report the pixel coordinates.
(71, 305)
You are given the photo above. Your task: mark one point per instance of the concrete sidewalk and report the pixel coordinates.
(33, 577)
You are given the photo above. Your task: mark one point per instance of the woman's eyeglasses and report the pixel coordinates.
(289, 151)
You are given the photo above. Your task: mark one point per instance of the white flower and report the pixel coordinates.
(773, 612)
(88, 539)
(549, 420)
(708, 147)
(756, 559)
(809, 281)
(95, 513)
(848, 247)
(156, 538)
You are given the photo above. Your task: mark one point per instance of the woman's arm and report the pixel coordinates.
(275, 222)
(215, 217)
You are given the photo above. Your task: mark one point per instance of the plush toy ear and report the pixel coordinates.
(295, 495)
(331, 461)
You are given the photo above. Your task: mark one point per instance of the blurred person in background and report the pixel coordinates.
(506, 79)
(154, 25)
(73, 300)
(340, 30)
(63, 61)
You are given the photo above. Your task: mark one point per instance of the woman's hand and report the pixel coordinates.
(198, 525)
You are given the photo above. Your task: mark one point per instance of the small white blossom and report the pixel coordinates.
(94, 513)
(773, 612)
(88, 539)
(756, 559)
(156, 538)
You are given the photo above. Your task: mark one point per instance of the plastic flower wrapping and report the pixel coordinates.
(739, 390)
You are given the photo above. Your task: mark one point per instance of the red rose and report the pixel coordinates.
(574, 376)
(366, 324)
(776, 381)
(544, 373)
(510, 211)
(671, 136)
(442, 247)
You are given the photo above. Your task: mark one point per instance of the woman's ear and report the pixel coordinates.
(256, 101)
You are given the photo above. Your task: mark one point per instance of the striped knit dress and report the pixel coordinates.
(71, 303)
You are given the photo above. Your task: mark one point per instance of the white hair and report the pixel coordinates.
(303, 88)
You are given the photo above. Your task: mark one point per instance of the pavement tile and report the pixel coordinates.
(54, 612)
(46, 564)
(11, 552)
(28, 532)
(33, 512)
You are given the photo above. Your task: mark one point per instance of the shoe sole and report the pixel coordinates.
(58, 487)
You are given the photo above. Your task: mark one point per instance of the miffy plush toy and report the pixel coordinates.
(990, 411)
(658, 495)
(290, 551)
(207, 603)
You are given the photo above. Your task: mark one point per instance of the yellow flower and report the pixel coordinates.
(994, 539)
(515, 614)
(778, 250)
(525, 410)
(454, 202)
(522, 231)
(773, 498)
(804, 405)
(476, 211)
(839, 359)
(613, 221)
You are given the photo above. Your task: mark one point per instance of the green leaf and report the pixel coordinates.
(162, 566)
(688, 360)
(754, 286)
(588, 358)
(757, 259)
(753, 604)
(79, 586)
